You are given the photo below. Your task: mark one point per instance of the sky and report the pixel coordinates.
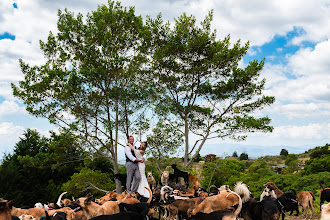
(292, 36)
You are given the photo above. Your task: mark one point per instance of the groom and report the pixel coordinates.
(132, 168)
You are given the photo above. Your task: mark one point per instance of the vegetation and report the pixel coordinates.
(111, 75)
(41, 168)
(202, 88)
(284, 152)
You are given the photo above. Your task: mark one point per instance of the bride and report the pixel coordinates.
(143, 182)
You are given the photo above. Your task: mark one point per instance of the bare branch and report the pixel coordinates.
(92, 186)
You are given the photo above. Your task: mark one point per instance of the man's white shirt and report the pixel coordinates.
(129, 154)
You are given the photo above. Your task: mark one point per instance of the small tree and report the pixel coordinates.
(198, 158)
(235, 154)
(244, 156)
(284, 152)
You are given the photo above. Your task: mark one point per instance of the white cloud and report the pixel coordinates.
(287, 135)
(274, 74)
(9, 129)
(309, 62)
(257, 21)
(303, 111)
(9, 135)
(308, 132)
(302, 88)
(10, 107)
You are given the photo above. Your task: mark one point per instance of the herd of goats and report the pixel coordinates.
(174, 200)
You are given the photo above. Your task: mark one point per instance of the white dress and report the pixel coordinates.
(143, 182)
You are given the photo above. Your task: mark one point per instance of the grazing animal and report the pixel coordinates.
(325, 195)
(57, 216)
(325, 212)
(305, 200)
(57, 205)
(179, 173)
(91, 209)
(66, 202)
(142, 208)
(120, 216)
(213, 190)
(181, 206)
(224, 187)
(70, 214)
(278, 192)
(40, 205)
(178, 186)
(142, 198)
(268, 191)
(128, 199)
(194, 180)
(288, 203)
(35, 212)
(156, 197)
(151, 180)
(224, 200)
(227, 214)
(265, 210)
(26, 217)
(191, 192)
(165, 178)
(112, 196)
(163, 190)
(5, 209)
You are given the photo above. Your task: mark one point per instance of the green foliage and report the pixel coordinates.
(244, 156)
(92, 82)
(235, 154)
(320, 151)
(196, 74)
(219, 171)
(79, 184)
(317, 165)
(284, 152)
(198, 158)
(38, 167)
(291, 163)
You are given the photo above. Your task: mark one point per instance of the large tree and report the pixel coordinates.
(201, 83)
(38, 167)
(90, 83)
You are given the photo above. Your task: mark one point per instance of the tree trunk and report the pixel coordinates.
(199, 149)
(186, 137)
(115, 165)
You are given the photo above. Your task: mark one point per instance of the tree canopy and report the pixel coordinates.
(91, 83)
(110, 75)
(201, 84)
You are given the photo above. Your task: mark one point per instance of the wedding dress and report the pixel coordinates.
(143, 182)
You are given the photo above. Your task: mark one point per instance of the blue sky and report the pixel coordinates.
(291, 36)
